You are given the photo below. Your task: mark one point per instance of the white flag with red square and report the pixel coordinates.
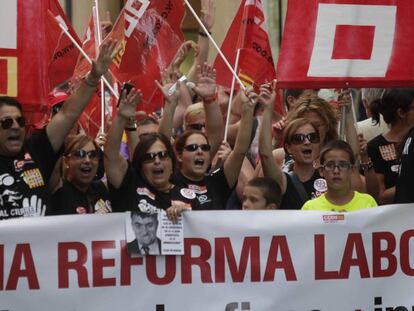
(353, 43)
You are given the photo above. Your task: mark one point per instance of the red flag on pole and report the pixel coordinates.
(90, 119)
(247, 32)
(360, 43)
(34, 54)
(150, 34)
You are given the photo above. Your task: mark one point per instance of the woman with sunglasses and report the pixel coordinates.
(302, 143)
(144, 183)
(80, 192)
(193, 153)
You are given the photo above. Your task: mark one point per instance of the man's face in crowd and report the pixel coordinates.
(146, 129)
(11, 134)
(145, 229)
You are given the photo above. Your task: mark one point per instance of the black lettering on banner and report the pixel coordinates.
(233, 306)
(62, 52)
(262, 52)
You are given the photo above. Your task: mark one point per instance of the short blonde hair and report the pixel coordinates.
(194, 110)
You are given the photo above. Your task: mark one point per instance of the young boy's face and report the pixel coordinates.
(253, 198)
(337, 170)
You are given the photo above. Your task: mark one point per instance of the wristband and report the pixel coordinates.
(203, 34)
(366, 166)
(89, 83)
(210, 99)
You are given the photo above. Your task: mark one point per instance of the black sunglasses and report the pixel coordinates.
(194, 147)
(197, 126)
(150, 156)
(81, 154)
(7, 122)
(298, 139)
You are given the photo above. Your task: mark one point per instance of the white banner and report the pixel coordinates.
(233, 260)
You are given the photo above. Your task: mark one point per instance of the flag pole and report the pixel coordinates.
(86, 57)
(98, 41)
(233, 82)
(215, 45)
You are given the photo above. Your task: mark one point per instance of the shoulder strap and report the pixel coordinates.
(298, 186)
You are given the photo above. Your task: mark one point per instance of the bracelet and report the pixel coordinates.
(210, 99)
(130, 129)
(89, 83)
(203, 34)
(366, 166)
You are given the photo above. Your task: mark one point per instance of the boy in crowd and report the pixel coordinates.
(261, 193)
(337, 162)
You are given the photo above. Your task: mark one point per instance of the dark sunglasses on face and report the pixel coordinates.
(7, 122)
(298, 139)
(197, 126)
(150, 156)
(342, 166)
(81, 154)
(194, 147)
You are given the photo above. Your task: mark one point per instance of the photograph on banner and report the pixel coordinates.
(153, 234)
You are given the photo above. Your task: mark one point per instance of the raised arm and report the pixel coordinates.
(65, 119)
(270, 168)
(233, 163)
(208, 12)
(171, 102)
(206, 88)
(115, 165)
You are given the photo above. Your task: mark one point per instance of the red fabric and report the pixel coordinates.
(248, 33)
(42, 57)
(299, 42)
(150, 47)
(90, 119)
(361, 38)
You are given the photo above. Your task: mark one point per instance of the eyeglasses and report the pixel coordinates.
(197, 126)
(7, 122)
(194, 147)
(342, 166)
(81, 154)
(150, 156)
(298, 139)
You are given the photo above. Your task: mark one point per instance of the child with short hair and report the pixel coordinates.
(261, 193)
(337, 163)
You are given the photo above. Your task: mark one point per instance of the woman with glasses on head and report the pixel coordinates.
(144, 183)
(80, 192)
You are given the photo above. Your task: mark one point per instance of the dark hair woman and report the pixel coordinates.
(81, 193)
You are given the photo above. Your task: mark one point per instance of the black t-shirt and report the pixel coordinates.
(212, 192)
(404, 192)
(24, 178)
(136, 194)
(383, 155)
(70, 200)
(314, 187)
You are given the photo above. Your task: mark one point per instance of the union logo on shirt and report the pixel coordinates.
(33, 178)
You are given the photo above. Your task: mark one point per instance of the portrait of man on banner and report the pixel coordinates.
(144, 227)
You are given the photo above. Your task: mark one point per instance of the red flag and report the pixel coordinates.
(90, 119)
(247, 32)
(352, 43)
(150, 33)
(34, 56)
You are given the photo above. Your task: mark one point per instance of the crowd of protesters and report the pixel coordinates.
(182, 160)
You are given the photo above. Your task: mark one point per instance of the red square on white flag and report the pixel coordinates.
(336, 43)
